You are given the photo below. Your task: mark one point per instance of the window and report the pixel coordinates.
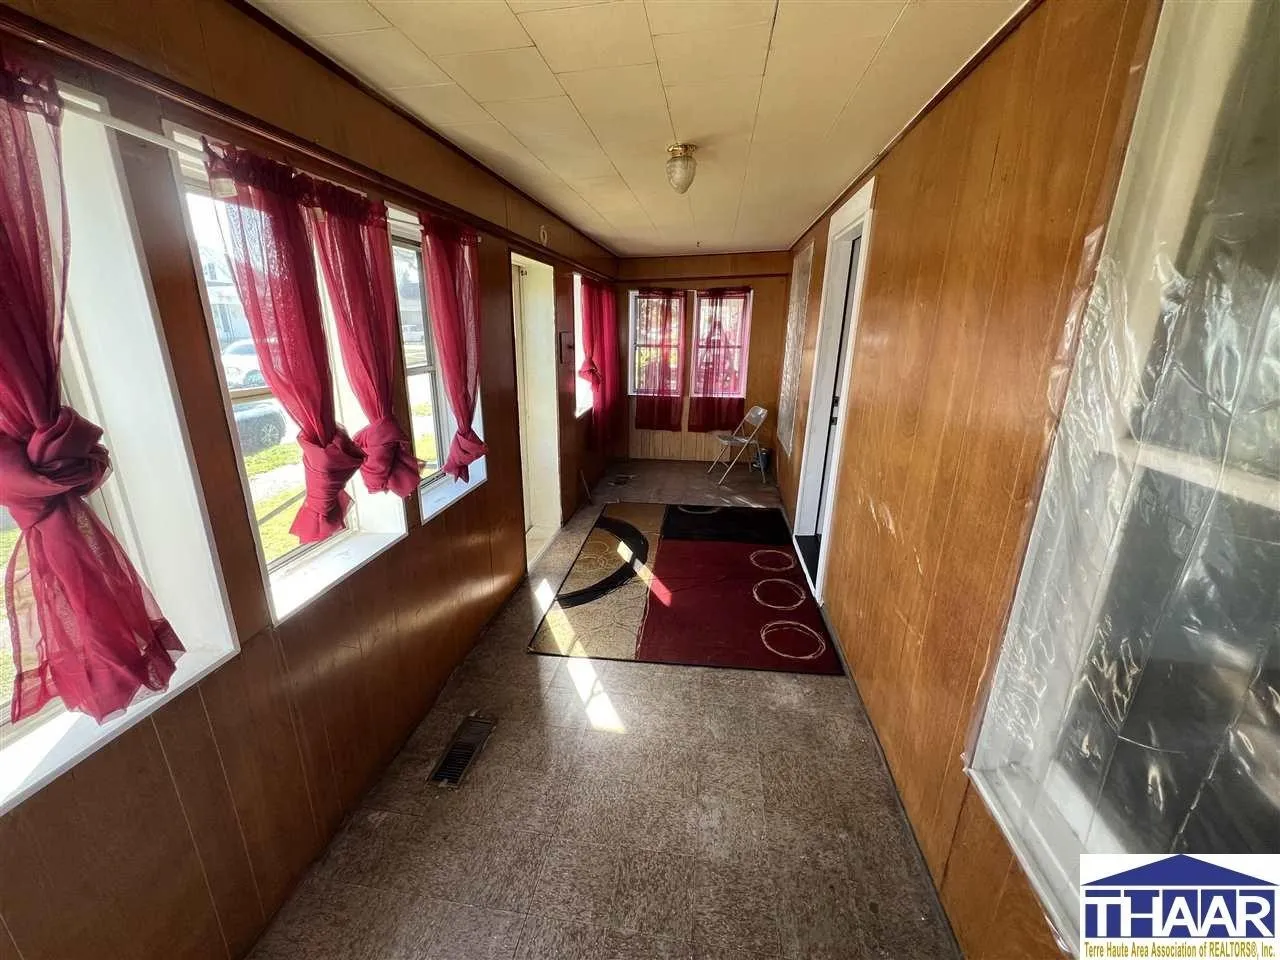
(1133, 704)
(657, 326)
(115, 372)
(433, 422)
(419, 359)
(719, 362)
(584, 394)
(271, 459)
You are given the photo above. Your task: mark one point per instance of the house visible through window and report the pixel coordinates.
(719, 363)
(426, 411)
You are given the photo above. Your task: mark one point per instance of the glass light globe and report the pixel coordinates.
(681, 167)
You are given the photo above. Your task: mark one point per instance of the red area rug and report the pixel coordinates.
(731, 604)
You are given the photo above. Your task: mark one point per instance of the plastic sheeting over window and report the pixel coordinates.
(1135, 700)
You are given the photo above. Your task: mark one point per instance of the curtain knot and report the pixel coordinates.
(62, 457)
(466, 448)
(389, 461)
(591, 373)
(327, 469)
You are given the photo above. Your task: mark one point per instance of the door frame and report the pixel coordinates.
(850, 222)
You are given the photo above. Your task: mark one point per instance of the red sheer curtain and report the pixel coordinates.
(266, 237)
(350, 232)
(83, 625)
(656, 354)
(453, 302)
(600, 359)
(719, 377)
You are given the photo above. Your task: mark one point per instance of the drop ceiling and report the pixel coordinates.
(575, 101)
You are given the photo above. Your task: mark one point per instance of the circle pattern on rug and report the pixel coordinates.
(772, 560)
(792, 641)
(778, 594)
(697, 511)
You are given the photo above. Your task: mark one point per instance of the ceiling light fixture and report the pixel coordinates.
(681, 166)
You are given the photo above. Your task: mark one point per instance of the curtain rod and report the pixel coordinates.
(124, 126)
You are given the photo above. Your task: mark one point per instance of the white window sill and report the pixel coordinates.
(296, 584)
(39, 753)
(579, 414)
(440, 492)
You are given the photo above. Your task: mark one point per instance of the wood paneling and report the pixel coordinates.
(764, 362)
(713, 266)
(984, 219)
(182, 837)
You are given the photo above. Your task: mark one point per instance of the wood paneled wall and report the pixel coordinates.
(764, 358)
(986, 214)
(702, 267)
(183, 836)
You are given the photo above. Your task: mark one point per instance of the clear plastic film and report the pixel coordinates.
(1135, 700)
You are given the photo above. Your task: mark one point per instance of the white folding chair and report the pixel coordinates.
(740, 440)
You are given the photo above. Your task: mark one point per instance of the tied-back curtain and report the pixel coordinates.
(600, 359)
(719, 375)
(275, 274)
(656, 358)
(350, 232)
(83, 626)
(453, 303)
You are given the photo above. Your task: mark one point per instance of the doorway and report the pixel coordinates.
(534, 308)
(847, 238)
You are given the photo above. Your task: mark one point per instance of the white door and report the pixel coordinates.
(834, 429)
(522, 380)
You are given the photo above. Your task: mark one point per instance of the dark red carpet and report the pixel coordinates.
(722, 603)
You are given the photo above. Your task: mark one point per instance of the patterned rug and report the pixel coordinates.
(698, 585)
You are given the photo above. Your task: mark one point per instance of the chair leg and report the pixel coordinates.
(717, 459)
(741, 450)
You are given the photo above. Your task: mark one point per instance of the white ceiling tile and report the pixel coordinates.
(532, 6)
(621, 104)
(442, 104)
(502, 75)
(575, 101)
(570, 159)
(587, 37)
(309, 18)
(488, 137)
(685, 16)
(716, 110)
(712, 54)
(532, 118)
(385, 58)
(443, 27)
(823, 27)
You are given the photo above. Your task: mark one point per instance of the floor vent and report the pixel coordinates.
(468, 741)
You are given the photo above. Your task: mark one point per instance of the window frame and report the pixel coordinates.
(584, 392)
(235, 395)
(633, 304)
(441, 416)
(743, 347)
(116, 361)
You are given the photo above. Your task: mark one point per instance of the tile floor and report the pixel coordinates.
(625, 811)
